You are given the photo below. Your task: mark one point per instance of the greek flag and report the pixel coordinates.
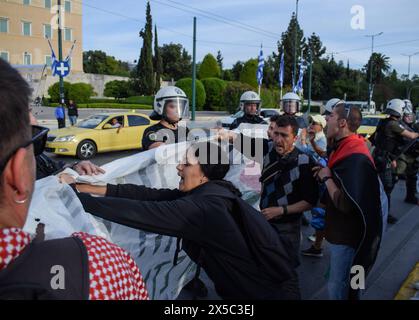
(261, 63)
(54, 60)
(299, 86)
(281, 71)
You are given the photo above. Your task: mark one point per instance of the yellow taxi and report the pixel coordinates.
(100, 133)
(369, 124)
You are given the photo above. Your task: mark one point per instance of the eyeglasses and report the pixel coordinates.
(39, 139)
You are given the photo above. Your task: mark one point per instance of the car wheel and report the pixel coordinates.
(86, 149)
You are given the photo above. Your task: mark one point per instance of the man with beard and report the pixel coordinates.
(353, 208)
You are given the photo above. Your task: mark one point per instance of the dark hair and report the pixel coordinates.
(274, 118)
(352, 115)
(286, 120)
(213, 159)
(14, 109)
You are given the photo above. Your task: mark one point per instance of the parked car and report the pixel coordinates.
(264, 113)
(99, 134)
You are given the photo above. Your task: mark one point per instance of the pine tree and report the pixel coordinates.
(287, 44)
(145, 73)
(209, 68)
(220, 60)
(316, 46)
(158, 61)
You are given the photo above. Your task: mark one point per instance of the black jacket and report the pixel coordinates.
(30, 275)
(72, 110)
(204, 220)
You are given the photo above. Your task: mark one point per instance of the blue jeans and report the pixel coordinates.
(341, 259)
(73, 120)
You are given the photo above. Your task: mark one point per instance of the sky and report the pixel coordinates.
(343, 25)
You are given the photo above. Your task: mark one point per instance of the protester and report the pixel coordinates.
(408, 161)
(387, 138)
(211, 218)
(288, 187)
(72, 111)
(79, 267)
(317, 149)
(60, 116)
(170, 105)
(250, 104)
(45, 166)
(353, 208)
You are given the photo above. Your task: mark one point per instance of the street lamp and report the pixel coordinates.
(295, 44)
(408, 72)
(372, 51)
(410, 56)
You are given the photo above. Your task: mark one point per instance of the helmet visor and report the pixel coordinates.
(290, 106)
(176, 108)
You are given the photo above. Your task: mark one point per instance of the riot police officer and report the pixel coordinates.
(387, 139)
(250, 104)
(408, 162)
(170, 105)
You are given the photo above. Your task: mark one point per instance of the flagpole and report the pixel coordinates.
(60, 51)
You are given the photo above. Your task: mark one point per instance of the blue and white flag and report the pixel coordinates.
(54, 60)
(299, 86)
(261, 63)
(281, 70)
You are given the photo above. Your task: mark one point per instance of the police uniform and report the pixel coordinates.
(408, 163)
(160, 133)
(387, 140)
(255, 119)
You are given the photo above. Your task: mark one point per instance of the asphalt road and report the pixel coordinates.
(398, 254)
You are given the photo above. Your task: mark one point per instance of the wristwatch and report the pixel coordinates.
(325, 179)
(285, 210)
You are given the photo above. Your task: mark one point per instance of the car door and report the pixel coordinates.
(109, 138)
(136, 126)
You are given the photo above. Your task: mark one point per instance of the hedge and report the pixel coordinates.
(232, 94)
(186, 85)
(214, 90)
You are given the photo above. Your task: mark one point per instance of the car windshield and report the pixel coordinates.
(370, 122)
(92, 122)
(238, 114)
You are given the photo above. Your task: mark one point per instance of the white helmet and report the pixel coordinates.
(408, 114)
(250, 97)
(395, 107)
(170, 94)
(290, 103)
(331, 104)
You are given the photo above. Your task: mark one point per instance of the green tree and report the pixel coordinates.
(117, 89)
(248, 74)
(54, 91)
(145, 73)
(220, 60)
(209, 68)
(237, 70)
(80, 92)
(287, 44)
(177, 62)
(97, 62)
(232, 93)
(186, 85)
(380, 67)
(158, 62)
(316, 46)
(214, 91)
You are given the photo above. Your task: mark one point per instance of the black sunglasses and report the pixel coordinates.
(39, 139)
